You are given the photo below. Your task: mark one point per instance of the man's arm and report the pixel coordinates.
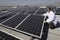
(46, 14)
(50, 19)
(43, 14)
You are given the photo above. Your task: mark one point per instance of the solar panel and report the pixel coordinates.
(11, 9)
(32, 11)
(18, 9)
(15, 20)
(32, 25)
(5, 17)
(41, 11)
(5, 36)
(45, 32)
(23, 11)
(58, 10)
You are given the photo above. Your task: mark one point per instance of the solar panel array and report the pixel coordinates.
(25, 20)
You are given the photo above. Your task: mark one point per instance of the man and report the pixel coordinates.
(51, 20)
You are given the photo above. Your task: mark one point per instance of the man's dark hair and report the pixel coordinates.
(49, 8)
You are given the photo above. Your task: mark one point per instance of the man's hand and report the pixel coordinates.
(45, 22)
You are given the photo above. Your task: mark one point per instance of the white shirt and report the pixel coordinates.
(51, 17)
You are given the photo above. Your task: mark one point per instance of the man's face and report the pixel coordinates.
(48, 9)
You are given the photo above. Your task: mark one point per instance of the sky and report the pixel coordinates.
(29, 2)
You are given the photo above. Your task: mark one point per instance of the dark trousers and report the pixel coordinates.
(51, 25)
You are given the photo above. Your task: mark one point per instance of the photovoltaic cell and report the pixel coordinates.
(15, 21)
(32, 25)
(4, 36)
